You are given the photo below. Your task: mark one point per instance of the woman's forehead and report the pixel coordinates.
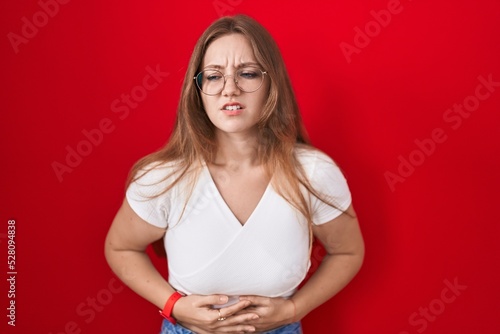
(229, 51)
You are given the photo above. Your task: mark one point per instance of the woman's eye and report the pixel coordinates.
(213, 77)
(249, 74)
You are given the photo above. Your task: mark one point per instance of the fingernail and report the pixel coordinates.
(255, 316)
(223, 299)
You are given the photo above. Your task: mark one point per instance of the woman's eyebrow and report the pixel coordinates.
(246, 64)
(218, 67)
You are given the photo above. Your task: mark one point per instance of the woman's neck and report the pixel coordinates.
(236, 149)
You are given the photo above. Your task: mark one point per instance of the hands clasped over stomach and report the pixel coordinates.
(250, 314)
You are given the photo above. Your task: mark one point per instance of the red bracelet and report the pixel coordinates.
(169, 306)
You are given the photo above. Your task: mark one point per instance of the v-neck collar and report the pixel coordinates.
(226, 207)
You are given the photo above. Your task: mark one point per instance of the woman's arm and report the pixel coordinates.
(125, 251)
(344, 244)
(345, 249)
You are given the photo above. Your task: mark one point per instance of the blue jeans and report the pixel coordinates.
(168, 328)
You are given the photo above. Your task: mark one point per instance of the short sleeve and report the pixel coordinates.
(327, 179)
(147, 197)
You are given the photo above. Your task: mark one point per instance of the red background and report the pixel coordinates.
(440, 225)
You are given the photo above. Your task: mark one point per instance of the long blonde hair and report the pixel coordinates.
(280, 125)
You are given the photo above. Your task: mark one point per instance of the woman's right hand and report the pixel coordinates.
(196, 313)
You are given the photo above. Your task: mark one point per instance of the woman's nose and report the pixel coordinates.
(230, 86)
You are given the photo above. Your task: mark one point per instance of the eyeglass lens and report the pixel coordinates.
(212, 82)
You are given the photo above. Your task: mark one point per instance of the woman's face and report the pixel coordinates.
(233, 110)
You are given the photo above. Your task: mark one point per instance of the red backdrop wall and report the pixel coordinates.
(404, 95)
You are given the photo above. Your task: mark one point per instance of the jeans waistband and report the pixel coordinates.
(169, 328)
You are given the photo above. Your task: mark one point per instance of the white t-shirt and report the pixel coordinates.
(210, 252)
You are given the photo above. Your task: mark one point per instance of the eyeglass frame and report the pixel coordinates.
(225, 81)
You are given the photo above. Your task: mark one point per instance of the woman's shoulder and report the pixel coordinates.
(156, 180)
(310, 156)
(155, 171)
(161, 174)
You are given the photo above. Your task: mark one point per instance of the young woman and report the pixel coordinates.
(237, 194)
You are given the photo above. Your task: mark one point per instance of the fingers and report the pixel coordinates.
(227, 313)
(236, 307)
(201, 312)
(236, 329)
(234, 325)
(235, 313)
(256, 300)
(219, 302)
(241, 329)
(211, 300)
(231, 316)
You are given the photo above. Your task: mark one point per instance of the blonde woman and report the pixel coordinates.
(236, 194)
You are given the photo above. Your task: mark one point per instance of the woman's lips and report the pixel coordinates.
(233, 108)
(232, 112)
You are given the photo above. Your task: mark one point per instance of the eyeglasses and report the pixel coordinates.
(212, 82)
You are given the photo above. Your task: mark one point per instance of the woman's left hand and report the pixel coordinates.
(273, 312)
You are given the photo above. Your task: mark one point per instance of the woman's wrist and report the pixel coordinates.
(167, 311)
(298, 310)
